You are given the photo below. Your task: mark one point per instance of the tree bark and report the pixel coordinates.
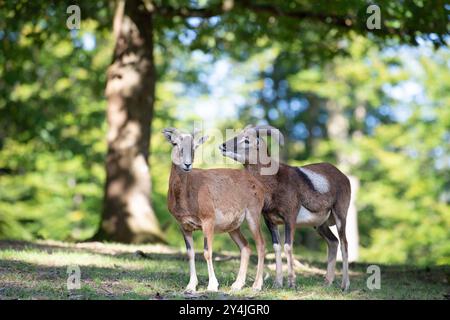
(128, 215)
(338, 130)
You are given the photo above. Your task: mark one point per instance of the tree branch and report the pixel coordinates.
(343, 21)
(184, 12)
(217, 10)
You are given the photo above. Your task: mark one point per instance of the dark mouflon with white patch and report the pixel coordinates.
(316, 195)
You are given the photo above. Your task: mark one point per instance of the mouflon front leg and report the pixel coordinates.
(193, 281)
(288, 241)
(273, 228)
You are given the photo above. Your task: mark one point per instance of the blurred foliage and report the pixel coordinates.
(404, 169)
(398, 145)
(294, 75)
(394, 138)
(52, 132)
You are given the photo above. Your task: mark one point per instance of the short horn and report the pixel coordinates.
(196, 131)
(271, 131)
(170, 129)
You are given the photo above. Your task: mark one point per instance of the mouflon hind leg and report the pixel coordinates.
(253, 219)
(239, 239)
(208, 231)
(340, 219)
(332, 243)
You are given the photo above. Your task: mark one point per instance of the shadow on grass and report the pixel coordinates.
(52, 248)
(164, 275)
(181, 256)
(29, 280)
(37, 281)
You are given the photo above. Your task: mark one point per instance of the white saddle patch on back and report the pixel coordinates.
(319, 182)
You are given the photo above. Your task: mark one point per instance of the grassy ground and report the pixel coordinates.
(38, 270)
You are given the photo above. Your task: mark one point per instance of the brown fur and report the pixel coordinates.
(214, 201)
(286, 192)
(194, 196)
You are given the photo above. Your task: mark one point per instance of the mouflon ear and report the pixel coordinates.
(195, 132)
(200, 141)
(170, 134)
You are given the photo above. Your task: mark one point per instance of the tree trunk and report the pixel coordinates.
(128, 215)
(338, 130)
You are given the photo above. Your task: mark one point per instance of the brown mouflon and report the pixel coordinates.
(214, 201)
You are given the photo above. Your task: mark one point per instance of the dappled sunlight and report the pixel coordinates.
(115, 271)
(62, 258)
(85, 167)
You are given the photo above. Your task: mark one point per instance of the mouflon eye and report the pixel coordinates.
(246, 141)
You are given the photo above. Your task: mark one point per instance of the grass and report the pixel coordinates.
(38, 270)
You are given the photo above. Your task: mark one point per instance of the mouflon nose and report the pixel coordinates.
(188, 165)
(222, 147)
